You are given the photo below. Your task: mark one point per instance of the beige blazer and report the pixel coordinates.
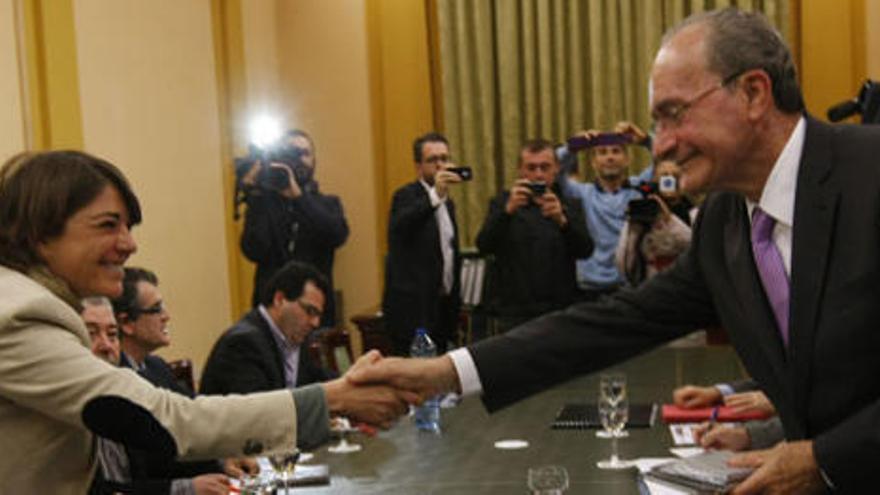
(51, 386)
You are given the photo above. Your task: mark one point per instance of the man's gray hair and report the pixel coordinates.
(738, 41)
(96, 301)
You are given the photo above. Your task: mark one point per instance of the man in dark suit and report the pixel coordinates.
(532, 221)
(143, 321)
(797, 293)
(422, 265)
(294, 220)
(267, 348)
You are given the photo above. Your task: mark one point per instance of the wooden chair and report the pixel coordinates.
(182, 369)
(332, 346)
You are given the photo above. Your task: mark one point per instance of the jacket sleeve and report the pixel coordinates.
(63, 380)
(591, 336)
(324, 214)
(258, 241)
(492, 233)
(408, 212)
(236, 366)
(577, 239)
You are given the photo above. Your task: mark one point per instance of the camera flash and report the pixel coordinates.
(265, 130)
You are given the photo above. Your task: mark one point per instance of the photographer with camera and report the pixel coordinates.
(532, 222)
(604, 202)
(288, 218)
(657, 229)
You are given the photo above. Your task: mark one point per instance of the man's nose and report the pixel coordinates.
(664, 145)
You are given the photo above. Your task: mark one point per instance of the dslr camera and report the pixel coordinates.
(275, 179)
(645, 210)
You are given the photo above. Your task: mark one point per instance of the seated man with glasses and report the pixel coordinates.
(143, 322)
(267, 348)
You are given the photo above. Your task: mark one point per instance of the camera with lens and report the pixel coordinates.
(538, 188)
(645, 210)
(275, 178)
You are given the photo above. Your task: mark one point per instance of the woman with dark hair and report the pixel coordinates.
(65, 233)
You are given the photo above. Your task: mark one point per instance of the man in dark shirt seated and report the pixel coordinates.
(143, 320)
(533, 223)
(267, 348)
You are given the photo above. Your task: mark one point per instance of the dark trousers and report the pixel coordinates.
(438, 318)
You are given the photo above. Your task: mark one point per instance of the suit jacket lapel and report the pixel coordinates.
(269, 343)
(758, 315)
(815, 213)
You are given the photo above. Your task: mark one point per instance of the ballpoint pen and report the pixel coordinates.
(713, 418)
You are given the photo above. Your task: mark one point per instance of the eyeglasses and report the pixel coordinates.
(310, 309)
(437, 159)
(671, 115)
(155, 309)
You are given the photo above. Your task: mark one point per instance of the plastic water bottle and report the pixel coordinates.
(427, 415)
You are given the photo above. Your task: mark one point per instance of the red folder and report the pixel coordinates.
(675, 414)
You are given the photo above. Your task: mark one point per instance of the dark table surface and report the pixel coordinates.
(463, 459)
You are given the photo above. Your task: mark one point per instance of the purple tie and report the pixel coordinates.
(770, 267)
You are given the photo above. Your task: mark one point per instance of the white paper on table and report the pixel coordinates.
(658, 488)
(685, 452)
(683, 433)
(646, 463)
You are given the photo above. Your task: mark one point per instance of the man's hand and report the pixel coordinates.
(292, 190)
(635, 133)
(691, 396)
(754, 401)
(211, 484)
(424, 377)
(236, 467)
(786, 468)
(443, 178)
(520, 195)
(374, 403)
(722, 438)
(551, 208)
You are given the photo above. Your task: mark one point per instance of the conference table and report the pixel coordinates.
(464, 460)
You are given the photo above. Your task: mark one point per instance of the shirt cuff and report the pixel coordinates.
(312, 416)
(435, 198)
(182, 486)
(725, 389)
(826, 479)
(468, 378)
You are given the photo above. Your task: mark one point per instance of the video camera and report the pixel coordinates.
(867, 104)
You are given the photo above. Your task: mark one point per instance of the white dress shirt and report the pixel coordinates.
(447, 232)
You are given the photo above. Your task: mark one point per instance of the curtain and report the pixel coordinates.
(512, 70)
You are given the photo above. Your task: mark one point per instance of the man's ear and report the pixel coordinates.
(278, 299)
(125, 324)
(759, 91)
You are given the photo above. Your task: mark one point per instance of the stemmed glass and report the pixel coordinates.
(548, 480)
(343, 427)
(614, 380)
(283, 463)
(613, 412)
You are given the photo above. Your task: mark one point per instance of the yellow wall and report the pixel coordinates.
(872, 38)
(149, 104)
(12, 135)
(323, 66)
(840, 47)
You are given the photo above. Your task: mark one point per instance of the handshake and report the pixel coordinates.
(378, 390)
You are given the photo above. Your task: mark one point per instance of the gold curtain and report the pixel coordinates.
(512, 70)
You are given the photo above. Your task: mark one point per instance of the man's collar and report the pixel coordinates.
(277, 334)
(777, 197)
